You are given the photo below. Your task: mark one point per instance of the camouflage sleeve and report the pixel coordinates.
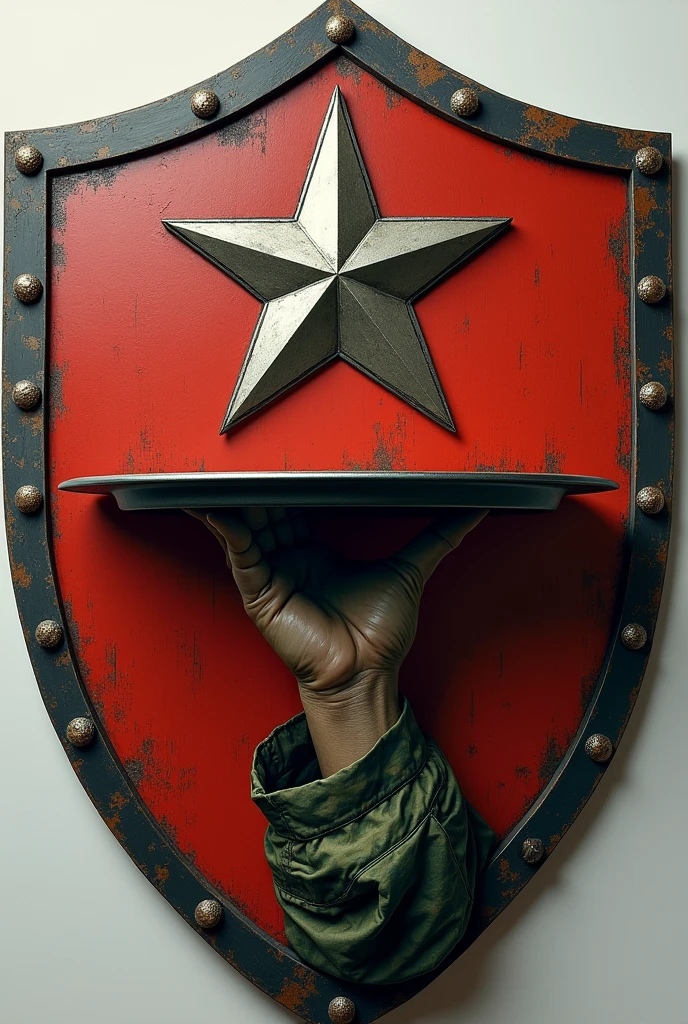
(375, 867)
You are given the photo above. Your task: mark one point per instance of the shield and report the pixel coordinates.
(537, 344)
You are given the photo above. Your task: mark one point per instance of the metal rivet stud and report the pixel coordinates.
(340, 29)
(341, 1010)
(649, 160)
(27, 288)
(28, 159)
(599, 748)
(28, 499)
(651, 289)
(650, 500)
(208, 914)
(48, 633)
(464, 102)
(205, 104)
(634, 636)
(26, 394)
(80, 732)
(532, 851)
(653, 395)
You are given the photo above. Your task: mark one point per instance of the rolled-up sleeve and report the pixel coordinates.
(375, 866)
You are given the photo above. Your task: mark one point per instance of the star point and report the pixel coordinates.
(338, 279)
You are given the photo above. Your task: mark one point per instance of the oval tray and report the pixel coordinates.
(531, 491)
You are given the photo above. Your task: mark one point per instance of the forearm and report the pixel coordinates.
(346, 724)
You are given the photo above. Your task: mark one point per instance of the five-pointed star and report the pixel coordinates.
(338, 280)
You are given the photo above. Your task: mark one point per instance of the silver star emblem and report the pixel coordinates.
(338, 280)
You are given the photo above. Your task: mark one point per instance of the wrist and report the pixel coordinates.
(345, 723)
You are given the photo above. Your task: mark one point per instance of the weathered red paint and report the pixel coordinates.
(531, 344)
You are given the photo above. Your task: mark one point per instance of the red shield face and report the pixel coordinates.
(531, 343)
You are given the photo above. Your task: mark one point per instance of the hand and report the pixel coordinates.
(342, 627)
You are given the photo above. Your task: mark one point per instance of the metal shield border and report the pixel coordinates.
(272, 967)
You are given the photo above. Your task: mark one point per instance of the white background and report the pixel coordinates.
(602, 932)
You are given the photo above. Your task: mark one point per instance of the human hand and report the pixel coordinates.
(330, 618)
(343, 627)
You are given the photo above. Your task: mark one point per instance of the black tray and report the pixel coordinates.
(525, 491)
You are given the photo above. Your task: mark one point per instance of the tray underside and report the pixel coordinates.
(515, 491)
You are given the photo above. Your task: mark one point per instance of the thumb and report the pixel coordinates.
(427, 550)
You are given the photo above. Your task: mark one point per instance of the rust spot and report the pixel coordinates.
(253, 128)
(623, 445)
(63, 659)
(57, 406)
(349, 70)
(554, 459)
(629, 139)
(550, 759)
(619, 252)
(426, 70)
(33, 344)
(318, 49)
(665, 365)
(162, 873)
(112, 822)
(388, 450)
(644, 205)
(505, 872)
(544, 129)
(118, 800)
(21, 576)
(134, 769)
(295, 992)
(643, 371)
(377, 29)
(103, 152)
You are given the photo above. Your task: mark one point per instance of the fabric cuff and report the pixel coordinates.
(287, 787)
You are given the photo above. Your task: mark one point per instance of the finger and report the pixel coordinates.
(257, 521)
(281, 526)
(427, 550)
(244, 556)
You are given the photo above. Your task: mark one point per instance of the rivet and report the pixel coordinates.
(205, 104)
(28, 159)
(208, 914)
(464, 102)
(650, 500)
(48, 633)
(651, 289)
(649, 160)
(26, 394)
(28, 499)
(27, 288)
(653, 395)
(634, 636)
(80, 732)
(340, 29)
(599, 747)
(341, 1010)
(533, 850)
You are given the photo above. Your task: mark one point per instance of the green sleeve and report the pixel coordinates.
(375, 867)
